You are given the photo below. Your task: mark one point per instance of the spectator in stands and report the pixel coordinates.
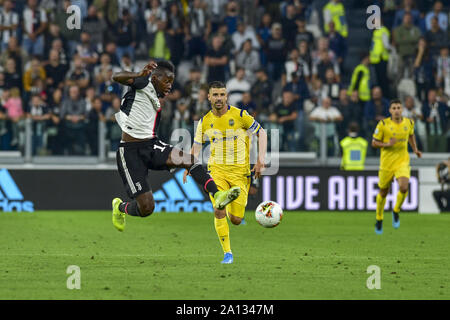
(423, 70)
(442, 197)
(216, 13)
(285, 115)
(236, 86)
(175, 29)
(95, 25)
(435, 37)
(108, 89)
(329, 116)
(441, 16)
(114, 133)
(15, 52)
(232, 16)
(34, 25)
(194, 84)
(335, 11)
(321, 66)
(94, 116)
(4, 144)
(264, 30)
(40, 114)
(101, 69)
(443, 70)
(360, 81)
(248, 59)
(12, 76)
(73, 115)
(182, 116)
(331, 86)
(305, 54)
(375, 110)
(87, 52)
(160, 43)
(406, 37)
(200, 105)
(32, 76)
(247, 104)
(242, 34)
(154, 14)
(295, 64)
(9, 22)
(303, 34)
(379, 55)
(55, 71)
(52, 35)
(197, 30)
(222, 31)
(110, 49)
(261, 91)
(412, 110)
(347, 110)
(408, 7)
(217, 60)
(55, 140)
(78, 75)
(126, 35)
(354, 149)
(72, 36)
(289, 26)
(57, 45)
(436, 116)
(337, 44)
(323, 46)
(275, 50)
(15, 113)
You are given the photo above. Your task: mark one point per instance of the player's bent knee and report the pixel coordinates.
(219, 214)
(147, 209)
(403, 189)
(235, 220)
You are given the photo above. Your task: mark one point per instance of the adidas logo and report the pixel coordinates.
(10, 196)
(176, 196)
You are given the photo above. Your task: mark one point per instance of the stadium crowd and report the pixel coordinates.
(283, 61)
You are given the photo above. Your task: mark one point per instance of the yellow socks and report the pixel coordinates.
(223, 231)
(380, 207)
(400, 199)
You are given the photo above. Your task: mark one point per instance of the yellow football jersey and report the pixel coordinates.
(229, 136)
(396, 156)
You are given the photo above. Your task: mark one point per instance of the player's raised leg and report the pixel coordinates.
(180, 159)
(403, 183)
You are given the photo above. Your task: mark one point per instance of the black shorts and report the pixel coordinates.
(134, 159)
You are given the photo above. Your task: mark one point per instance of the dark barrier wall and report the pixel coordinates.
(294, 188)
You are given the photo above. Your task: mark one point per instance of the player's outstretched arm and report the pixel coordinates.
(262, 149)
(380, 144)
(126, 78)
(413, 144)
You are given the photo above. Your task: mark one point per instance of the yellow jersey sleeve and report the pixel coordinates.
(249, 123)
(199, 133)
(379, 131)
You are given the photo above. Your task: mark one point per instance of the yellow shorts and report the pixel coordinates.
(237, 207)
(385, 177)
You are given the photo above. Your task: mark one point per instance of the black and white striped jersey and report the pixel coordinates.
(140, 110)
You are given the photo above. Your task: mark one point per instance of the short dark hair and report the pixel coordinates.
(165, 65)
(353, 127)
(216, 84)
(394, 101)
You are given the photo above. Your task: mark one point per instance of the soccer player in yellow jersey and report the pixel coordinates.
(392, 135)
(229, 131)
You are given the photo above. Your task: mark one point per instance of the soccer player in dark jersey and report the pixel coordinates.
(140, 149)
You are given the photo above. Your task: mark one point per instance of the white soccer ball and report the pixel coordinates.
(269, 214)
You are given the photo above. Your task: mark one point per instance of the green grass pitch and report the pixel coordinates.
(314, 255)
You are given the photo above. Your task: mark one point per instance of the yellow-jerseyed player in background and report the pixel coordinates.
(229, 130)
(392, 136)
